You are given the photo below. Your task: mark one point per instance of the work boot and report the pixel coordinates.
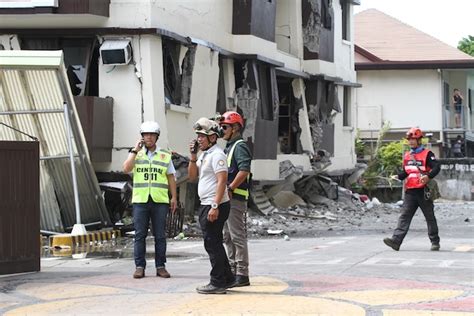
(391, 243)
(230, 284)
(139, 273)
(241, 280)
(435, 247)
(210, 289)
(161, 272)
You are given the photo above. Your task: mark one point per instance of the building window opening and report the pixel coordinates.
(345, 7)
(177, 76)
(288, 124)
(266, 92)
(346, 111)
(81, 60)
(326, 14)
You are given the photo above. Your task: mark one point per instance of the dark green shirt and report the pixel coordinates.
(242, 154)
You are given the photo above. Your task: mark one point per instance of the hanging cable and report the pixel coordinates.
(17, 130)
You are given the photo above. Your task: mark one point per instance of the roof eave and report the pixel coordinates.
(416, 64)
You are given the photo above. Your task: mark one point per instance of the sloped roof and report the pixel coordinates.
(389, 39)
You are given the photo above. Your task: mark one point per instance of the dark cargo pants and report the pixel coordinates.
(414, 199)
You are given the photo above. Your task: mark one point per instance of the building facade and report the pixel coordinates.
(287, 66)
(409, 81)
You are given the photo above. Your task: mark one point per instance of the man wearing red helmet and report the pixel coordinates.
(238, 162)
(419, 167)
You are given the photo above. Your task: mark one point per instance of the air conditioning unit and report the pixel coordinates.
(116, 52)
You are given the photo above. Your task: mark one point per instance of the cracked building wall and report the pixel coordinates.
(303, 116)
(318, 29)
(205, 78)
(288, 31)
(138, 93)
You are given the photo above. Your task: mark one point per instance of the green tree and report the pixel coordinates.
(467, 45)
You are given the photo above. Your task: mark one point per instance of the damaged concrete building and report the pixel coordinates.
(288, 66)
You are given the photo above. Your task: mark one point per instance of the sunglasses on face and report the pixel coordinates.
(225, 126)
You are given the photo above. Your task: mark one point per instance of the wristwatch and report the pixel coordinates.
(133, 151)
(214, 205)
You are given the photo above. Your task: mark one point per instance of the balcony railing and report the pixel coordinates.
(453, 119)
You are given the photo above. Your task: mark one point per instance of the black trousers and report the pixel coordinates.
(221, 273)
(414, 199)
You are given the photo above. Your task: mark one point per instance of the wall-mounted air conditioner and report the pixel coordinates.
(116, 52)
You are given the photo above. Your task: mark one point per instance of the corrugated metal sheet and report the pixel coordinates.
(41, 91)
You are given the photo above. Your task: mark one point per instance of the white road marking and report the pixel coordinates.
(336, 242)
(408, 263)
(445, 263)
(310, 262)
(172, 247)
(420, 263)
(463, 248)
(300, 252)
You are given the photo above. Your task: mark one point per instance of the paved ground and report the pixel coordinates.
(339, 274)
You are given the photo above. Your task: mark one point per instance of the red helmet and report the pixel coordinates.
(414, 132)
(232, 117)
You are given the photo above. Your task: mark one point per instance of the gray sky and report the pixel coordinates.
(449, 21)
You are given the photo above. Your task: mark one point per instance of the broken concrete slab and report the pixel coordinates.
(261, 204)
(285, 199)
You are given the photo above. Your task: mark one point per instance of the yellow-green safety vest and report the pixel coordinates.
(242, 192)
(150, 178)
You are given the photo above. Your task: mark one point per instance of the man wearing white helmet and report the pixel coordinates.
(211, 168)
(153, 180)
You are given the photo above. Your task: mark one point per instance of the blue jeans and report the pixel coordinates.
(142, 212)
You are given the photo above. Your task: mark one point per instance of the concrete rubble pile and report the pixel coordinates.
(305, 205)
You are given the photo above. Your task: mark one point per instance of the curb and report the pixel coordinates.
(68, 240)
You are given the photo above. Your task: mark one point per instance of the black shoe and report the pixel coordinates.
(210, 289)
(241, 280)
(391, 243)
(230, 284)
(435, 247)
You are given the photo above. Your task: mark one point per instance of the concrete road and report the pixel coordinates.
(340, 274)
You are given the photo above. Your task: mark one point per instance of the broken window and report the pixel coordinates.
(322, 104)
(81, 59)
(257, 78)
(266, 92)
(240, 73)
(346, 111)
(346, 23)
(288, 123)
(177, 78)
(326, 14)
(318, 33)
(246, 94)
(327, 100)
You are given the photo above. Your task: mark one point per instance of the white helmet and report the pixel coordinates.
(207, 127)
(150, 127)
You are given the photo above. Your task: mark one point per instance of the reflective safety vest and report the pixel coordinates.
(415, 166)
(243, 188)
(150, 178)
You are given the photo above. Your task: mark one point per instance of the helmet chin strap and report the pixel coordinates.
(210, 143)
